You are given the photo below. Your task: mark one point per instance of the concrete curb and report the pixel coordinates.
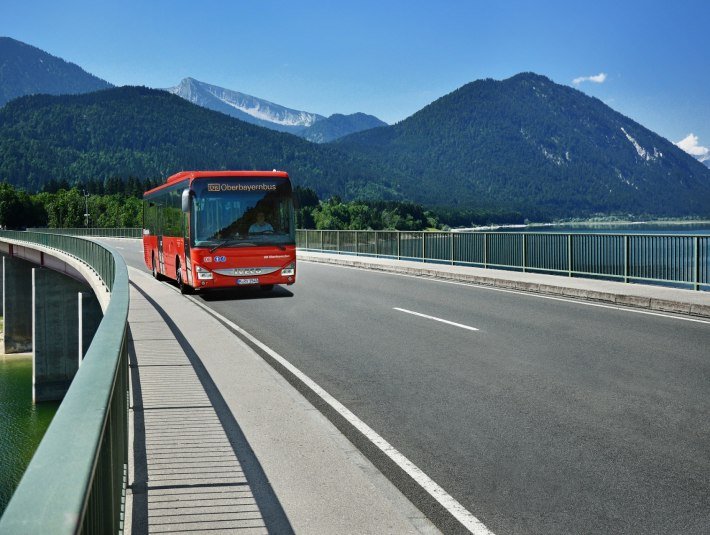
(499, 280)
(62, 262)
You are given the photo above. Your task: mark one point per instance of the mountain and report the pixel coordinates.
(524, 144)
(338, 125)
(544, 149)
(261, 112)
(245, 107)
(26, 70)
(148, 133)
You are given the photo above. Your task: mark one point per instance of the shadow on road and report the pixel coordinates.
(242, 294)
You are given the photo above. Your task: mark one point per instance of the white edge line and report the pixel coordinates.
(517, 292)
(439, 494)
(468, 327)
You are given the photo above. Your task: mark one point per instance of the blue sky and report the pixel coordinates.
(387, 58)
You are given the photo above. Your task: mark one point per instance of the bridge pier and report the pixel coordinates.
(55, 340)
(90, 316)
(17, 304)
(2, 276)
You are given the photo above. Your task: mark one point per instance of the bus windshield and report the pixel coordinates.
(244, 212)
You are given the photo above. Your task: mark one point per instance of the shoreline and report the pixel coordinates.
(585, 224)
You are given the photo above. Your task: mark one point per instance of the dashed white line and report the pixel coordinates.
(517, 292)
(467, 327)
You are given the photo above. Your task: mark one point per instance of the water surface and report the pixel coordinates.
(22, 424)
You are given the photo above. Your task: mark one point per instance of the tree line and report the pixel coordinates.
(66, 208)
(116, 203)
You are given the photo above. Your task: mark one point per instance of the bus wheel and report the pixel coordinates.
(184, 288)
(156, 275)
(267, 287)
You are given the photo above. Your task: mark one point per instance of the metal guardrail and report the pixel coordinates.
(76, 480)
(93, 232)
(646, 258)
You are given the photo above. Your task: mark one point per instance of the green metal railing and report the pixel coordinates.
(646, 258)
(76, 480)
(93, 232)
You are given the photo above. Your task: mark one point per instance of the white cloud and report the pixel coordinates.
(597, 79)
(690, 145)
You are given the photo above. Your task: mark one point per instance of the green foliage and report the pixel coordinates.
(66, 209)
(18, 210)
(369, 215)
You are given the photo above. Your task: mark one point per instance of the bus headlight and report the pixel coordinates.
(289, 270)
(203, 274)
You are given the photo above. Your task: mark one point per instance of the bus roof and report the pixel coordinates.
(188, 175)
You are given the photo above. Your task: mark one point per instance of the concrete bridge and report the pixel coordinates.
(380, 395)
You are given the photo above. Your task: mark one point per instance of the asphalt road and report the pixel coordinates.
(552, 417)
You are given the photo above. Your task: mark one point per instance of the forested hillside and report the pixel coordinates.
(528, 144)
(523, 146)
(27, 70)
(147, 133)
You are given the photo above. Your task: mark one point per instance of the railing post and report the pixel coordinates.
(696, 263)
(452, 235)
(357, 242)
(399, 245)
(423, 246)
(376, 245)
(485, 249)
(321, 240)
(524, 250)
(306, 233)
(569, 255)
(337, 241)
(626, 258)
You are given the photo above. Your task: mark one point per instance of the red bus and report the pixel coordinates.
(221, 229)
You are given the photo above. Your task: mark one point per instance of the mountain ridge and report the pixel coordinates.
(261, 112)
(541, 146)
(149, 133)
(25, 70)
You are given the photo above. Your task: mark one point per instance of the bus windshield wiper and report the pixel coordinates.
(219, 244)
(233, 243)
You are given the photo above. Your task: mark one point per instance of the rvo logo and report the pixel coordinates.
(220, 258)
(212, 187)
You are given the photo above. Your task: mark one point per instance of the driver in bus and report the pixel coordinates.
(261, 225)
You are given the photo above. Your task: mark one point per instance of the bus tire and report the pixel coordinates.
(184, 287)
(156, 275)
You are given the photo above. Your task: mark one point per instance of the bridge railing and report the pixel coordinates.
(126, 232)
(682, 260)
(76, 480)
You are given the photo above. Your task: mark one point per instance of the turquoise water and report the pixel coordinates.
(619, 228)
(22, 424)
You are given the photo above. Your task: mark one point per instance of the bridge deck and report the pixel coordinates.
(222, 443)
(645, 296)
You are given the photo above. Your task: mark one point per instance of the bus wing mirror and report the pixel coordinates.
(186, 200)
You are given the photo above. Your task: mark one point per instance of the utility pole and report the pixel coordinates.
(86, 208)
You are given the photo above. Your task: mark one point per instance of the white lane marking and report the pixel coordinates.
(517, 292)
(435, 319)
(447, 501)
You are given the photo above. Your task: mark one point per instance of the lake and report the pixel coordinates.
(22, 423)
(691, 228)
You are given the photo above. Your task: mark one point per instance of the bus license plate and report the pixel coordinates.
(242, 282)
